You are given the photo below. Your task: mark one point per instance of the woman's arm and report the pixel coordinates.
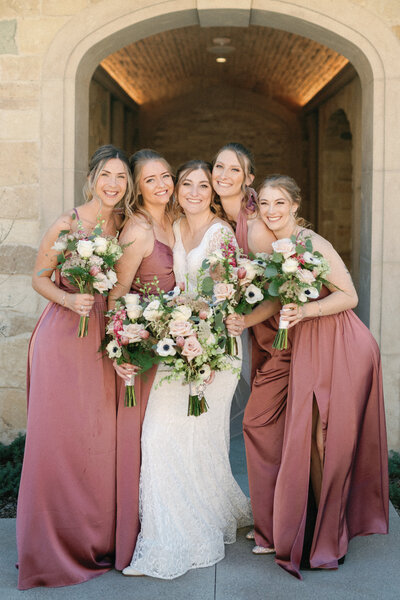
(343, 295)
(46, 262)
(236, 323)
(260, 238)
(141, 241)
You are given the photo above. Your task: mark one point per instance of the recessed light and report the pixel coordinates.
(221, 59)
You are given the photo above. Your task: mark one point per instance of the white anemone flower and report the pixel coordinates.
(165, 347)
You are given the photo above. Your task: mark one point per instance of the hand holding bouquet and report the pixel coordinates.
(87, 262)
(234, 283)
(295, 273)
(128, 341)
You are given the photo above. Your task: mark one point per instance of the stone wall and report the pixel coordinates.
(38, 151)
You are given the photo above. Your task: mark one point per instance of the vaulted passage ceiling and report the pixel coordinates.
(283, 66)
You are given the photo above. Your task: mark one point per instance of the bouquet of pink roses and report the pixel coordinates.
(234, 283)
(295, 273)
(87, 261)
(187, 341)
(128, 340)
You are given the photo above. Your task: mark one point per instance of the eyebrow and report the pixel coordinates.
(201, 180)
(219, 162)
(154, 175)
(109, 172)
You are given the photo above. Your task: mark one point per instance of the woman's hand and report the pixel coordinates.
(235, 324)
(80, 303)
(125, 370)
(293, 313)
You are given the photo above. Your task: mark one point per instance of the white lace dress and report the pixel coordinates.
(190, 503)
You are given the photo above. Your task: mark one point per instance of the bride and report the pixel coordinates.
(190, 504)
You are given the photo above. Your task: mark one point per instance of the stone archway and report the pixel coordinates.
(372, 48)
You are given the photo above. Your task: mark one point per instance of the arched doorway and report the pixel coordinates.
(85, 40)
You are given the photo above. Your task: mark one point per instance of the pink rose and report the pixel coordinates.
(144, 334)
(133, 332)
(223, 291)
(180, 328)
(203, 315)
(95, 270)
(180, 341)
(285, 247)
(192, 348)
(241, 273)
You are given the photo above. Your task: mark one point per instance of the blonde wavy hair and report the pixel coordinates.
(288, 185)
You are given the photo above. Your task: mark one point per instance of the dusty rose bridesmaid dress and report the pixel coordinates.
(264, 416)
(336, 360)
(130, 420)
(66, 503)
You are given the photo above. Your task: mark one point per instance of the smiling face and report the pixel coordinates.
(111, 182)
(228, 175)
(277, 211)
(194, 191)
(155, 183)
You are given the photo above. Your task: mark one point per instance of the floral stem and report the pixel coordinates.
(231, 346)
(130, 397)
(83, 326)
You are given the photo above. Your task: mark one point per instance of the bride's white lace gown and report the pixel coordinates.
(190, 503)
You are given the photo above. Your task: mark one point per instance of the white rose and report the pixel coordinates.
(165, 347)
(100, 245)
(85, 248)
(290, 265)
(112, 277)
(181, 313)
(114, 249)
(59, 245)
(311, 259)
(134, 311)
(180, 328)
(253, 294)
(101, 283)
(113, 350)
(132, 332)
(153, 311)
(132, 299)
(284, 246)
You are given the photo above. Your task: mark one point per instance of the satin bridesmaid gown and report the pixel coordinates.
(66, 503)
(130, 419)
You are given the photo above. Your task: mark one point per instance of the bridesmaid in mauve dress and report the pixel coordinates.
(66, 504)
(148, 229)
(264, 416)
(335, 432)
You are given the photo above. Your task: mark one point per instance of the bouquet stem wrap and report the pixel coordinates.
(130, 397)
(83, 326)
(281, 338)
(197, 402)
(231, 346)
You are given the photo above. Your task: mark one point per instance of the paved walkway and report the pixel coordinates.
(371, 571)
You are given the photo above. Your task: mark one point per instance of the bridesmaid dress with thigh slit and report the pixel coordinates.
(336, 363)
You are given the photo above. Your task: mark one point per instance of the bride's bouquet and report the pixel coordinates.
(234, 283)
(187, 341)
(87, 262)
(295, 273)
(128, 340)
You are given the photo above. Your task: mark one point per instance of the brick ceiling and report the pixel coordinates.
(283, 66)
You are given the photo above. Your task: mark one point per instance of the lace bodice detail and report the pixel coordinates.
(187, 264)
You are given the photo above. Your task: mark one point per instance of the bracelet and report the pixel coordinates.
(319, 309)
(63, 300)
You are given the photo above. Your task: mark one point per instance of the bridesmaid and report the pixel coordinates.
(148, 230)
(264, 416)
(66, 504)
(335, 413)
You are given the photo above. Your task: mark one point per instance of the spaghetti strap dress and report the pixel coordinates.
(130, 419)
(264, 416)
(66, 503)
(335, 360)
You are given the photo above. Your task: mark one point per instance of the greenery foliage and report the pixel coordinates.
(394, 475)
(10, 469)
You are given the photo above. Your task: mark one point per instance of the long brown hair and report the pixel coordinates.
(288, 185)
(135, 205)
(183, 171)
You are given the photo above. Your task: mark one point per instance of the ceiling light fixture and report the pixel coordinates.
(221, 48)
